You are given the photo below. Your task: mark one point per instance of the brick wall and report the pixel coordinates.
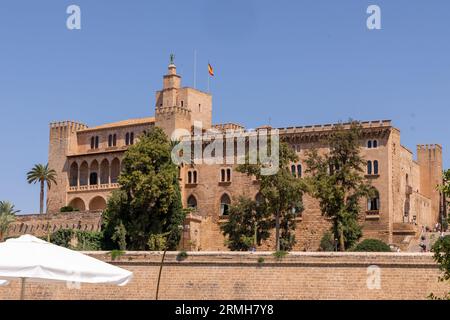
(230, 275)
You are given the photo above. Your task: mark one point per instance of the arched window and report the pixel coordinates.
(293, 170)
(110, 140)
(104, 172)
(132, 138)
(375, 167)
(115, 170)
(93, 178)
(195, 176)
(369, 144)
(222, 175)
(96, 142)
(73, 175)
(84, 169)
(225, 203)
(189, 176)
(369, 167)
(92, 142)
(114, 140)
(127, 139)
(228, 175)
(375, 143)
(192, 202)
(373, 204)
(299, 170)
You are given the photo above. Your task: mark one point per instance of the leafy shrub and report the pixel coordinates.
(372, 245)
(182, 255)
(62, 237)
(327, 242)
(116, 254)
(261, 260)
(68, 209)
(85, 240)
(280, 254)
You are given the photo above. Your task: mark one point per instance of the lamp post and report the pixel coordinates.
(162, 262)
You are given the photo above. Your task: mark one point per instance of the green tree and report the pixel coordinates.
(445, 189)
(148, 204)
(336, 179)
(248, 224)
(282, 193)
(42, 174)
(441, 249)
(7, 216)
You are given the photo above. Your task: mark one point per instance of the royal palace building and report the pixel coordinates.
(88, 163)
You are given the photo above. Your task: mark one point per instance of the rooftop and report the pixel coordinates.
(123, 123)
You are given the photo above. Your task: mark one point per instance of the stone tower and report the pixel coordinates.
(429, 158)
(180, 107)
(63, 141)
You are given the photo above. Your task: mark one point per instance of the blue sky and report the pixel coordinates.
(283, 62)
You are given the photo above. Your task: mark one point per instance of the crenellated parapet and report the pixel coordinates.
(175, 110)
(311, 133)
(43, 224)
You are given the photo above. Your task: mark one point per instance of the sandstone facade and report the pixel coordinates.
(88, 162)
(234, 275)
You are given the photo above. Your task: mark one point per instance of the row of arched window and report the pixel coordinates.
(94, 142)
(192, 177)
(112, 140)
(373, 204)
(225, 175)
(372, 144)
(95, 173)
(129, 138)
(372, 167)
(296, 170)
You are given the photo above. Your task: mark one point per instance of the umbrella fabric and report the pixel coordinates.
(37, 260)
(4, 283)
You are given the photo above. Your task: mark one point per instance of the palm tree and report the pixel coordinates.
(44, 175)
(7, 216)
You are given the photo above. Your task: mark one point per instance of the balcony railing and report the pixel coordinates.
(104, 186)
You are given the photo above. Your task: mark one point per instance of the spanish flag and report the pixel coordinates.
(210, 70)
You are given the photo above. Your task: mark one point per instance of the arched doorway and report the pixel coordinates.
(97, 204)
(78, 204)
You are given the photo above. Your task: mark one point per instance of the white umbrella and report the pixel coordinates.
(30, 258)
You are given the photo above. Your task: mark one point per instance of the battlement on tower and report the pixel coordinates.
(172, 111)
(62, 128)
(426, 147)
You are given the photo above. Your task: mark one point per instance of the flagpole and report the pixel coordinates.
(195, 69)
